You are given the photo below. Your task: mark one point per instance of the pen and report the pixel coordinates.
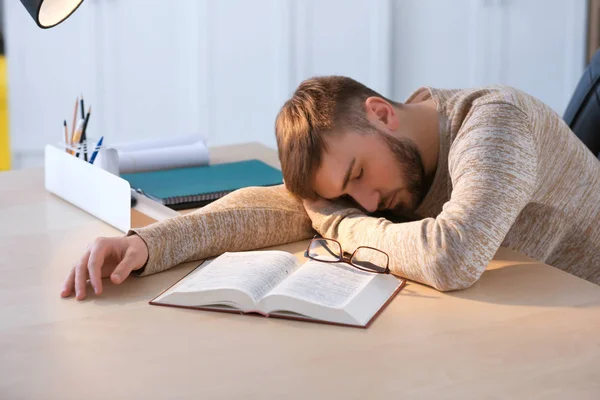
(66, 136)
(83, 135)
(77, 136)
(82, 109)
(96, 150)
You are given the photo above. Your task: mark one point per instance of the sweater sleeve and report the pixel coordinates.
(492, 166)
(246, 219)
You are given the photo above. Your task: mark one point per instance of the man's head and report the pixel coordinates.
(338, 138)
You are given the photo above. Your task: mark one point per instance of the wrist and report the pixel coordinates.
(140, 246)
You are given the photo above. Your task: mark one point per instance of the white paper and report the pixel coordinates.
(108, 160)
(188, 155)
(254, 273)
(158, 143)
(327, 284)
(153, 155)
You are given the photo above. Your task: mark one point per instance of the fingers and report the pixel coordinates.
(69, 285)
(81, 276)
(94, 265)
(123, 270)
(93, 261)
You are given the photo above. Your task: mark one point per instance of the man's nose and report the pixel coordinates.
(368, 199)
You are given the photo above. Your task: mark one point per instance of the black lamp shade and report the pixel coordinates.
(49, 13)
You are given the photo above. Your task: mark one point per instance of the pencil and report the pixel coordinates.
(74, 121)
(66, 136)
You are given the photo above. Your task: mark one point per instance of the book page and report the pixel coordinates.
(325, 284)
(253, 272)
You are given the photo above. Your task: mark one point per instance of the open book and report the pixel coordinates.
(272, 283)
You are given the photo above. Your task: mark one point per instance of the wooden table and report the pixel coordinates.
(524, 331)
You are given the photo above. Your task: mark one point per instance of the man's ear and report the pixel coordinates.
(381, 112)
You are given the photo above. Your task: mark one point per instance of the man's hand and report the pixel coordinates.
(313, 207)
(115, 257)
(324, 206)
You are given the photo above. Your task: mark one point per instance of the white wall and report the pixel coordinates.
(222, 69)
(535, 45)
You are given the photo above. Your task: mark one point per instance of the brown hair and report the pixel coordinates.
(319, 106)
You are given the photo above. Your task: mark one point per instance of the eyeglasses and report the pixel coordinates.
(364, 258)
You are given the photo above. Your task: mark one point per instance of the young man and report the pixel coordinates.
(450, 174)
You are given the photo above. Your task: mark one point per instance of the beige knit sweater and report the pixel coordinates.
(510, 173)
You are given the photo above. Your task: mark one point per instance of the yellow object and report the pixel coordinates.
(4, 139)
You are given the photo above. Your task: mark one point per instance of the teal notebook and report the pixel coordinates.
(193, 187)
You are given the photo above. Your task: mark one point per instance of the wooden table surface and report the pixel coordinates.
(524, 331)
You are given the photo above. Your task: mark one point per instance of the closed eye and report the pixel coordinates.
(345, 197)
(360, 174)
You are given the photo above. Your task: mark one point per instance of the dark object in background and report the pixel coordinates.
(583, 112)
(49, 13)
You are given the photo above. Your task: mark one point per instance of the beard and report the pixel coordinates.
(410, 165)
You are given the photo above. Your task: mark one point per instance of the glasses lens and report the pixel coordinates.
(370, 259)
(325, 250)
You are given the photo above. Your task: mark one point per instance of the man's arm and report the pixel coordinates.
(246, 219)
(493, 170)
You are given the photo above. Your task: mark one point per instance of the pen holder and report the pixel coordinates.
(92, 189)
(101, 193)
